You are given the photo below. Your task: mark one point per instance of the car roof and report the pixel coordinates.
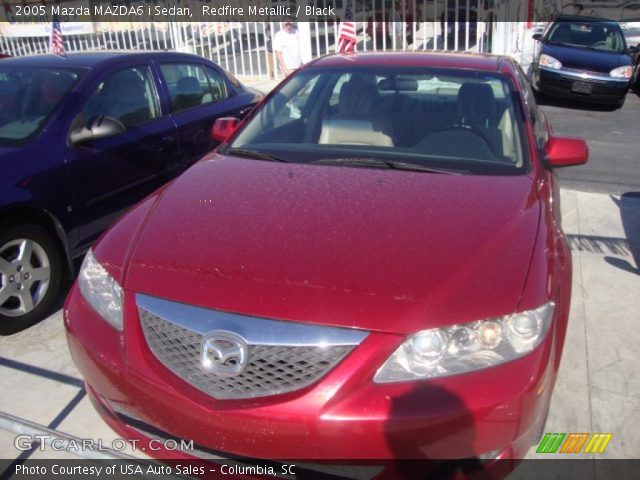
(583, 18)
(472, 61)
(94, 59)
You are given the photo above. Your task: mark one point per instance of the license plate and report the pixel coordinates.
(581, 87)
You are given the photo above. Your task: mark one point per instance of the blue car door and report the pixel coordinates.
(112, 173)
(199, 93)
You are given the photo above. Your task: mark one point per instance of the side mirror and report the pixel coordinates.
(634, 50)
(223, 128)
(98, 127)
(537, 36)
(566, 152)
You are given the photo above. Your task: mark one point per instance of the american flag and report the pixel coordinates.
(347, 38)
(56, 44)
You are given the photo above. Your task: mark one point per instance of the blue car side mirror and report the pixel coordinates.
(97, 127)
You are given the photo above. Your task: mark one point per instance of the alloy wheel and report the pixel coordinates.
(25, 274)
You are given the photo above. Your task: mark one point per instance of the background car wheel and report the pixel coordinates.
(30, 276)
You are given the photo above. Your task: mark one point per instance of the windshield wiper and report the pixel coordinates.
(243, 152)
(378, 163)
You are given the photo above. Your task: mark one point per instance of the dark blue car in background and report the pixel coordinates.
(584, 58)
(81, 139)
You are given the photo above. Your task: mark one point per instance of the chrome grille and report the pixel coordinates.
(585, 72)
(586, 75)
(271, 368)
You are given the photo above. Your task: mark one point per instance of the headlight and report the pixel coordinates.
(622, 72)
(102, 292)
(550, 62)
(439, 352)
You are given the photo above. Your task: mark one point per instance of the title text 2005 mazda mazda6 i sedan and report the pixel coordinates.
(372, 266)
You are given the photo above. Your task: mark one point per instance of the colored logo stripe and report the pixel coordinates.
(598, 443)
(574, 442)
(550, 443)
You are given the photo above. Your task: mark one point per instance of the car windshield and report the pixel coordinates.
(451, 119)
(596, 35)
(28, 96)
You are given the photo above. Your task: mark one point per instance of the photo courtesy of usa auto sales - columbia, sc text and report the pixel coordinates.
(133, 468)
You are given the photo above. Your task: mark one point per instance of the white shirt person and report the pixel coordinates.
(286, 45)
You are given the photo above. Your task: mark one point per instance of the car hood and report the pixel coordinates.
(586, 59)
(383, 250)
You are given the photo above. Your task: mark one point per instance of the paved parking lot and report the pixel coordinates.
(598, 389)
(613, 139)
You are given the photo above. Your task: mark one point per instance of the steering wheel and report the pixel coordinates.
(471, 129)
(468, 128)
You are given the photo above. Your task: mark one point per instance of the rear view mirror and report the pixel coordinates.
(537, 36)
(398, 84)
(566, 151)
(223, 128)
(97, 127)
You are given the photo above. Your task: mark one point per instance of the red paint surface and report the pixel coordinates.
(388, 251)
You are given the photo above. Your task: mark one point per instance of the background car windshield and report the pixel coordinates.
(599, 36)
(28, 96)
(455, 119)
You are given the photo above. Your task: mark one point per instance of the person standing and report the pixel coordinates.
(396, 26)
(286, 45)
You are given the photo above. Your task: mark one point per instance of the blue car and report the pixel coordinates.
(583, 58)
(81, 139)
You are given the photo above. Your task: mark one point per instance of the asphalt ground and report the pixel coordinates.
(614, 143)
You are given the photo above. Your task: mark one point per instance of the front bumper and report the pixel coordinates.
(561, 83)
(343, 416)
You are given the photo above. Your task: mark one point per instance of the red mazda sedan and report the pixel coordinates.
(371, 267)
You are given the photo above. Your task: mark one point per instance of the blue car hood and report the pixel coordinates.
(586, 59)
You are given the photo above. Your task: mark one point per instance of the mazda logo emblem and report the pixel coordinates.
(224, 353)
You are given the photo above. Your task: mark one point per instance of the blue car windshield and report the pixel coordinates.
(28, 96)
(595, 35)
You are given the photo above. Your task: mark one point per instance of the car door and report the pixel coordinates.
(112, 173)
(198, 93)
